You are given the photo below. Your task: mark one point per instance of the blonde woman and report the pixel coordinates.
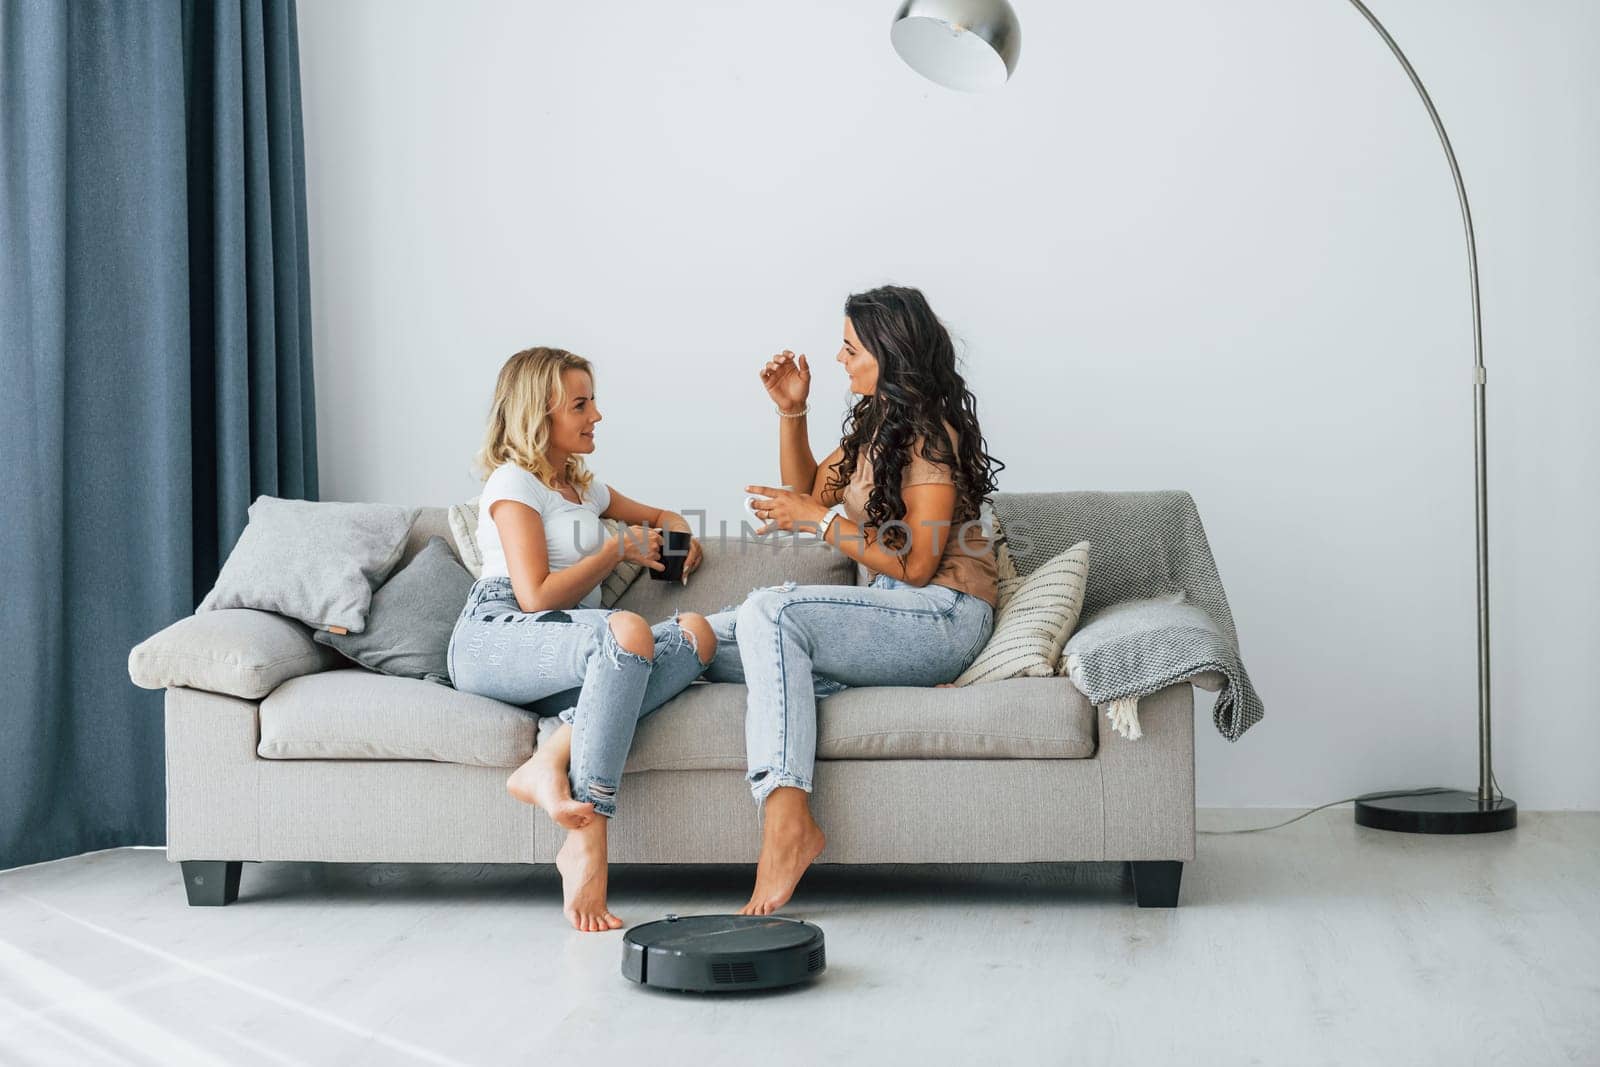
(533, 626)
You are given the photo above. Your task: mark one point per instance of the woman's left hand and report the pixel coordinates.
(784, 509)
(691, 562)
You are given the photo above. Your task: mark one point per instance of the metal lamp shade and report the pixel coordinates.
(969, 45)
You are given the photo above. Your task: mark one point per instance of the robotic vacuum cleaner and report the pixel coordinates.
(721, 953)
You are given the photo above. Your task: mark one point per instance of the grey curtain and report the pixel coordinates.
(156, 335)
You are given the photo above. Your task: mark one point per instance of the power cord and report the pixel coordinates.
(1430, 791)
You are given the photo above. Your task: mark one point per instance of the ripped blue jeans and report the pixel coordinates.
(790, 644)
(574, 667)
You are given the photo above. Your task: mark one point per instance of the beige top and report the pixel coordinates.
(969, 566)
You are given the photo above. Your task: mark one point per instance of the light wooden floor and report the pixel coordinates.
(1321, 943)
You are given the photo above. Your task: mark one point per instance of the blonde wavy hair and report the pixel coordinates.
(528, 389)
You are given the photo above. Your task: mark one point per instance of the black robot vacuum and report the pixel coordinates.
(723, 953)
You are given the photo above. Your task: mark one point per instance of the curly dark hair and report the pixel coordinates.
(919, 390)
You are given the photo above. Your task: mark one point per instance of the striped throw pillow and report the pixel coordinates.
(622, 575)
(463, 520)
(1034, 618)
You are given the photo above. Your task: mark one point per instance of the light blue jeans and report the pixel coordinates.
(539, 660)
(790, 644)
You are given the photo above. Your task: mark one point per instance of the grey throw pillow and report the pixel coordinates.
(316, 562)
(408, 628)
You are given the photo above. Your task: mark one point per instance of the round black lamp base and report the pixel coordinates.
(1450, 812)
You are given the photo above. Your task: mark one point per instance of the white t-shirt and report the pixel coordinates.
(571, 531)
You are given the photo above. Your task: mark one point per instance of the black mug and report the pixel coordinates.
(674, 553)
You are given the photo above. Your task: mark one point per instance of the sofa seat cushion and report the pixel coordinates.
(358, 714)
(1020, 718)
(355, 714)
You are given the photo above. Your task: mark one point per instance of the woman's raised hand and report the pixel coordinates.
(788, 380)
(642, 544)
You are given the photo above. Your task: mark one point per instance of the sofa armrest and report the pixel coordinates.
(1148, 785)
(234, 651)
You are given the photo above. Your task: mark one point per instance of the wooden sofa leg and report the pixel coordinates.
(211, 883)
(1155, 882)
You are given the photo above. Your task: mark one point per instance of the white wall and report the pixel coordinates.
(1209, 246)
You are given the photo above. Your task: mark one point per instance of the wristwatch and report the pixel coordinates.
(827, 520)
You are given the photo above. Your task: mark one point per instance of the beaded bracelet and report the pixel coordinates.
(797, 415)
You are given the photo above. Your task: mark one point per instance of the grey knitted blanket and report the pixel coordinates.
(1154, 610)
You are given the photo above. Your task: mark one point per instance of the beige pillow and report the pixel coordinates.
(464, 529)
(1033, 619)
(237, 651)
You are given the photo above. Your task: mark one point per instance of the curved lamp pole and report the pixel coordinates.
(974, 45)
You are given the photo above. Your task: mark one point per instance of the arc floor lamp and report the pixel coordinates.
(973, 45)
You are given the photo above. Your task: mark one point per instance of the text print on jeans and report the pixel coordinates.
(488, 646)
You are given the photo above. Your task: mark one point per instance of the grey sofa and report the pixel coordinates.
(278, 749)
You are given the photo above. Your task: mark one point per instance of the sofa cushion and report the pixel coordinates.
(356, 714)
(235, 651)
(352, 714)
(732, 567)
(1020, 718)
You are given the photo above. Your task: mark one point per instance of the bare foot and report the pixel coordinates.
(790, 840)
(542, 782)
(582, 863)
